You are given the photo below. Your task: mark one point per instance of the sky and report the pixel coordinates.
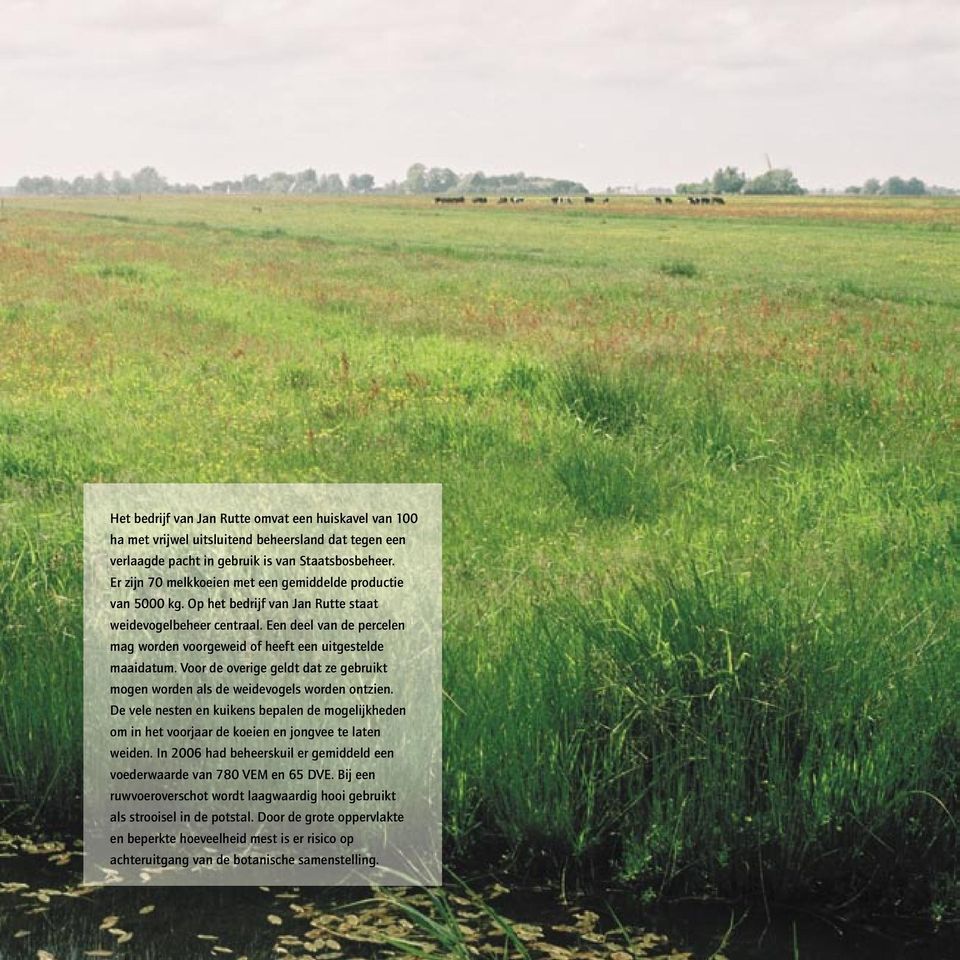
(608, 92)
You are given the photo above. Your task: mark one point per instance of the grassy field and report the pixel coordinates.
(701, 491)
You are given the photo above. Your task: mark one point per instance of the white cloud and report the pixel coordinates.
(665, 90)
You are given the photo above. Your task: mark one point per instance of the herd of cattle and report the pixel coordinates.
(693, 200)
(553, 200)
(558, 200)
(514, 200)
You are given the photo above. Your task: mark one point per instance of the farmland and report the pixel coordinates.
(701, 500)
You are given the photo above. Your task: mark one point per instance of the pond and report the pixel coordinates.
(46, 912)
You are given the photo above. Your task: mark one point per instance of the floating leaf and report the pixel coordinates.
(107, 922)
(274, 919)
(21, 933)
(149, 908)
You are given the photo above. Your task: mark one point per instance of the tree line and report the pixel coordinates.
(420, 179)
(149, 180)
(899, 187)
(442, 180)
(777, 181)
(781, 181)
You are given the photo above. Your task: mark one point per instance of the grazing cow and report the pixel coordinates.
(503, 200)
(606, 199)
(257, 209)
(449, 200)
(588, 199)
(554, 200)
(479, 200)
(667, 200)
(719, 200)
(516, 199)
(657, 200)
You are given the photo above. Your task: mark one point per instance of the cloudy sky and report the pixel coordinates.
(609, 92)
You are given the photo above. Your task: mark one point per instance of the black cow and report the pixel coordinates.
(588, 200)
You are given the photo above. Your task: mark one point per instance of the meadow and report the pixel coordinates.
(701, 501)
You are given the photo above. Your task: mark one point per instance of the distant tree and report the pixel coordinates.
(569, 187)
(853, 189)
(100, 184)
(898, 187)
(43, 186)
(416, 181)
(306, 181)
(778, 182)
(147, 180)
(704, 186)
(251, 183)
(279, 182)
(871, 187)
(335, 184)
(728, 180)
(360, 182)
(439, 179)
(478, 182)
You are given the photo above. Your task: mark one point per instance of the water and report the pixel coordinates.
(43, 908)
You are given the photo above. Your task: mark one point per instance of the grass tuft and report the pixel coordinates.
(679, 268)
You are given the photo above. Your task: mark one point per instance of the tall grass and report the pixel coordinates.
(700, 539)
(603, 399)
(41, 672)
(707, 729)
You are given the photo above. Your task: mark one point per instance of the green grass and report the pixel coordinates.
(701, 490)
(678, 268)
